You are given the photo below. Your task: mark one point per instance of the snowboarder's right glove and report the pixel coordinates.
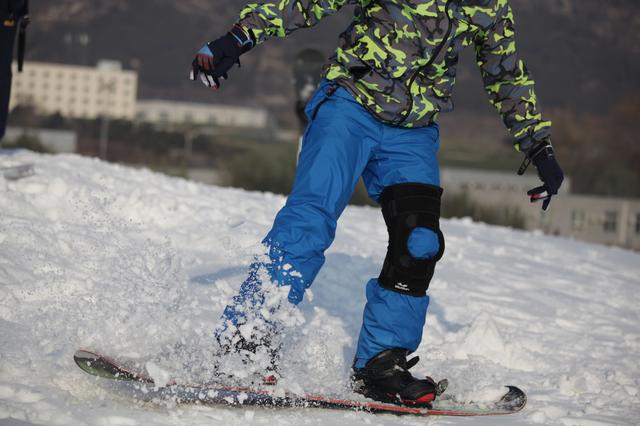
(214, 59)
(549, 171)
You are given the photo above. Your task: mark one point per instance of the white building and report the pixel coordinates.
(76, 91)
(605, 220)
(170, 113)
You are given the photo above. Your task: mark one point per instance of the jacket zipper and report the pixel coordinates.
(436, 53)
(332, 88)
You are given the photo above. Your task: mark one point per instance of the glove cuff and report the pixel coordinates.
(243, 38)
(538, 151)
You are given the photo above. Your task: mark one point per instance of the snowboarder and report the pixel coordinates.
(374, 115)
(13, 17)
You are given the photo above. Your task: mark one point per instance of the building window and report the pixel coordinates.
(638, 223)
(578, 220)
(610, 221)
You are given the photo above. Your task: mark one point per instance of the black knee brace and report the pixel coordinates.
(405, 207)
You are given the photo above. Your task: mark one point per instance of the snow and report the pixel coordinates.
(134, 263)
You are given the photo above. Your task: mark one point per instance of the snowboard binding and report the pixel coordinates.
(386, 378)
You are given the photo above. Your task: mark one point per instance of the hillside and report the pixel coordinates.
(584, 55)
(135, 263)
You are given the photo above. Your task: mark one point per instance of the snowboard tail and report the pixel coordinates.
(139, 385)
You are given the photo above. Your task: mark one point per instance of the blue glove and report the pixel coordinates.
(215, 59)
(549, 171)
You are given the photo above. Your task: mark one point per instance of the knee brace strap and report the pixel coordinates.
(405, 207)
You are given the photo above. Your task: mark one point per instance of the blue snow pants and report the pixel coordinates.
(342, 142)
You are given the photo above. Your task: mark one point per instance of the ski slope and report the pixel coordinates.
(132, 262)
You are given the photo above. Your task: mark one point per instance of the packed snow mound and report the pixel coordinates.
(135, 264)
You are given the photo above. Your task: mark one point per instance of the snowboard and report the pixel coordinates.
(138, 385)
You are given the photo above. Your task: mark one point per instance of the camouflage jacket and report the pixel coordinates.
(398, 58)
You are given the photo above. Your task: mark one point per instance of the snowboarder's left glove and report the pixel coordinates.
(549, 171)
(214, 59)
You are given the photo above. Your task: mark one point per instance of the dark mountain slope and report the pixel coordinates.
(584, 54)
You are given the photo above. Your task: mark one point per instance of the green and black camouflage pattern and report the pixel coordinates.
(399, 57)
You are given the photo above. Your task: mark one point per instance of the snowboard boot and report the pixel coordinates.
(386, 378)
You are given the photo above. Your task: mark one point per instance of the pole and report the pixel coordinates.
(104, 136)
(188, 147)
(106, 88)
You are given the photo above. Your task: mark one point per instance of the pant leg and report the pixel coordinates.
(336, 148)
(391, 319)
(7, 40)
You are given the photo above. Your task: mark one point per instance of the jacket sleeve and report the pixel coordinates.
(278, 18)
(508, 83)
